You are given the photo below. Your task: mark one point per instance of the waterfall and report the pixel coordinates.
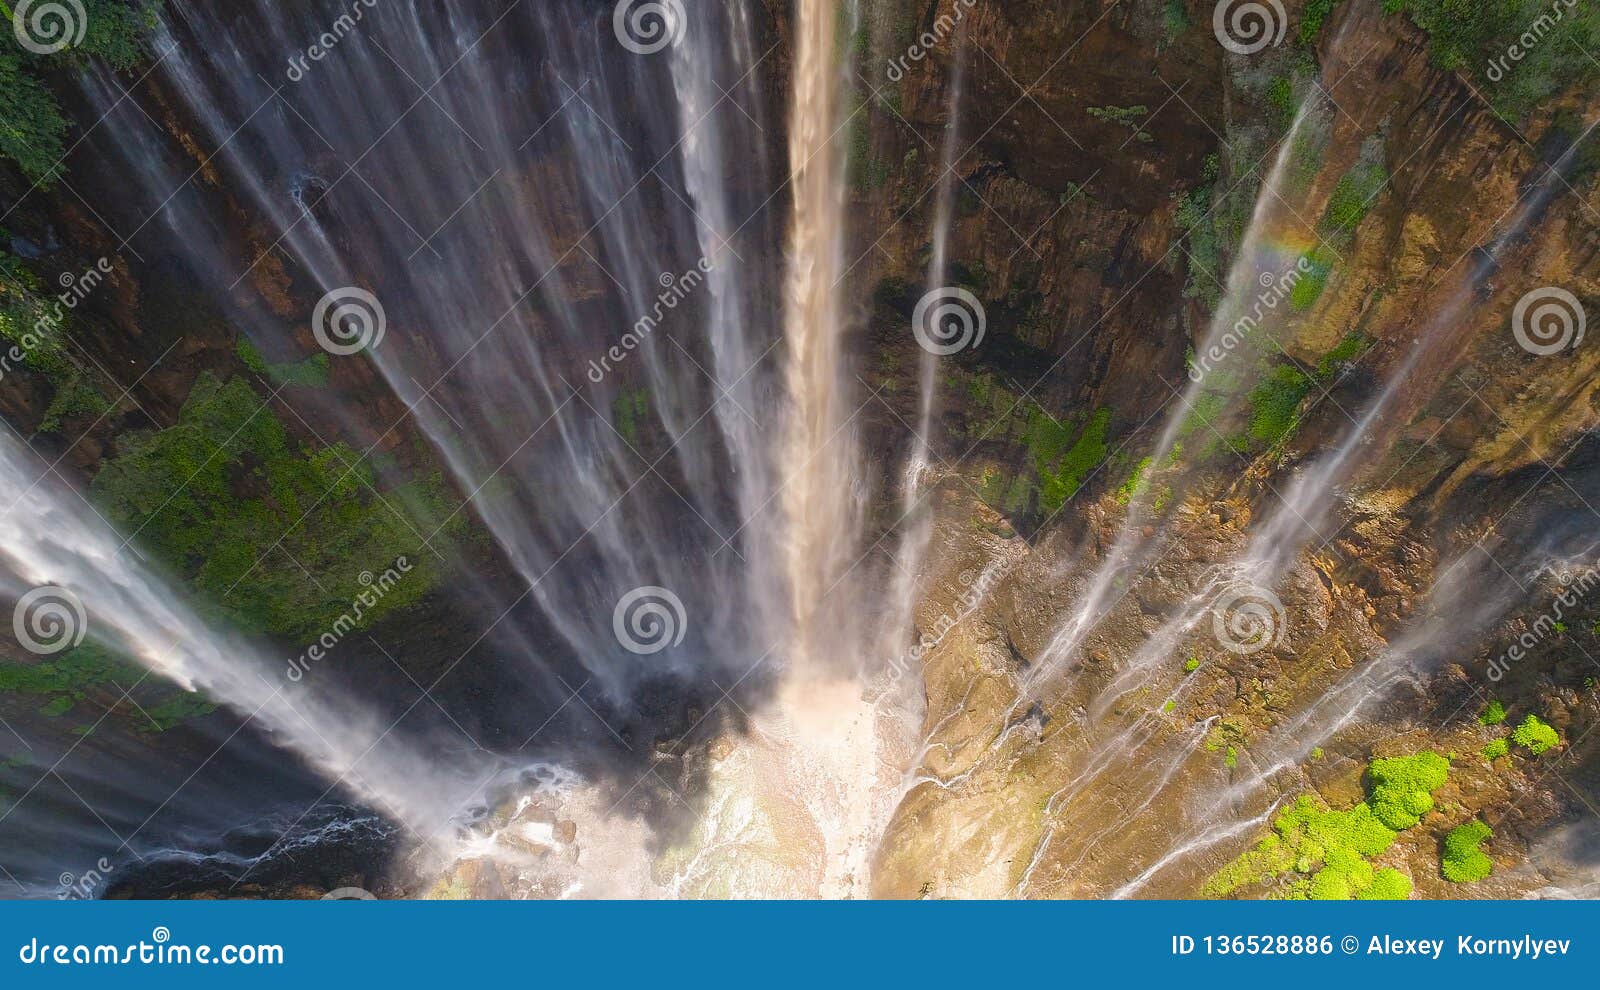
(818, 455)
(529, 297)
(938, 261)
(56, 541)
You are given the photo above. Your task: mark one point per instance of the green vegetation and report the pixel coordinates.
(1136, 483)
(866, 171)
(1401, 789)
(1475, 36)
(628, 412)
(1535, 735)
(65, 680)
(1312, 17)
(1280, 94)
(1327, 854)
(1349, 349)
(58, 706)
(1353, 197)
(1129, 117)
(1275, 401)
(1174, 21)
(1388, 884)
(32, 126)
(1497, 748)
(1309, 288)
(272, 535)
(311, 373)
(1191, 665)
(1463, 861)
(1063, 470)
(1493, 714)
(1196, 218)
(31, 321)
(1231, 758)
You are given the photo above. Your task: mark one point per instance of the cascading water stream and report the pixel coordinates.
(1132, 544)
(54, 541)
(495, 262)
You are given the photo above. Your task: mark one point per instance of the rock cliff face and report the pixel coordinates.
(1147, 757)
(1123, 192)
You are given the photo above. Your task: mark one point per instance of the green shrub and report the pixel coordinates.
(1388, 884)
(1474, 35)
(629, 411)
(1402, 788)
(1136, 483)
(31, 123)
(1494, 713)
(231, 502)
(1535, 735)
(1309, 288)
(311, 373)
(1191, 665)
(1197, 216)
(1274, 403)
(1312, 17)
(1463, 861)
(1497, 748)
(1353, 197)
(1063, 470)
